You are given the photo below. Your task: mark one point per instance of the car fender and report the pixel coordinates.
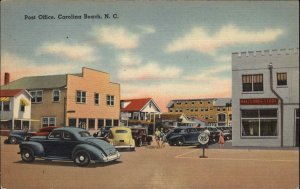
(94, 152)
(35, 147)
(16, 136)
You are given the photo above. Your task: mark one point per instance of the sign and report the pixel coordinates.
(203, 138)
(259, 101)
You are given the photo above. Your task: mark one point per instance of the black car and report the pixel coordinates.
(183, 136)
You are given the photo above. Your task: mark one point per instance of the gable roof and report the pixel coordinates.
(10, 93)
(135, 104)
(38, 82)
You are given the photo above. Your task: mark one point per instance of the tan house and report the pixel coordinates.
(214, 111)
(87, 99)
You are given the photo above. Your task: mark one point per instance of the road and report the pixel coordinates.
(149, 167)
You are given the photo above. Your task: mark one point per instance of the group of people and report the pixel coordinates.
(160, 137)
(221, 140)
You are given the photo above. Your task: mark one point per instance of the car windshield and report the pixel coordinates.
(121, 131)
(84, 134)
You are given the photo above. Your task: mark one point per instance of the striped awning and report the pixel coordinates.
(4, 99)
(24, 102)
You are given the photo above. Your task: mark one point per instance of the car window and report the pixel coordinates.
(55, 135)
(183, 131)
(84, 134)
(121, 131)
(177, 130)
(67, 136)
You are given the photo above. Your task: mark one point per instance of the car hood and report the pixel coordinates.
(107, 148)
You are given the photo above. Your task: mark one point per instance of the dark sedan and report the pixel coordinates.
(69, 144)
(183, 136)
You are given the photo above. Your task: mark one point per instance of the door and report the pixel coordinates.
(297, 128)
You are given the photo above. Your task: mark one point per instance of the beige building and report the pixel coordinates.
(215, 111)
(87, 99)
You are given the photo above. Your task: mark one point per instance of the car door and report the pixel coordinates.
(52, 144)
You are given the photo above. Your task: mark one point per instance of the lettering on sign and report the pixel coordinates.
(259, 101)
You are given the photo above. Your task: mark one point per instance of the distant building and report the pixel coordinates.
(15, 109)
(139, 111)
(215, 111)
(265, 98)
(87, 99)
(168, 120)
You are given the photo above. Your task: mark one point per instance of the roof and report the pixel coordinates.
(170, 116)
(10, 93)
(222, 101)
(38, 82)
(135, 104)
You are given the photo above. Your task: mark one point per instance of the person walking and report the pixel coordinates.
(162, 137)
(221, 140)
(157, 137)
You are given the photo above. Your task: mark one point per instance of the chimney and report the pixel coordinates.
(6, 78)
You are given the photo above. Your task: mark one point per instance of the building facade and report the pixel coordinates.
(15, 109)
(265, 98)
(214, 111)
(87, 99)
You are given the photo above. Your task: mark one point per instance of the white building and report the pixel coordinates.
(15, 108)
(265, 98)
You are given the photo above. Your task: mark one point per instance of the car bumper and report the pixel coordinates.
(124, 146)
(111, 157)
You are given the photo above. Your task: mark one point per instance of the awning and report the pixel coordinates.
(24, 102)
(4, 99)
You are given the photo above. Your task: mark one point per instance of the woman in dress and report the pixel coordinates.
(221, 140)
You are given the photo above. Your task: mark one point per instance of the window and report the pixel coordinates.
(100, 123)
(116, 122)
(91, 124)
(96, 98)
(82, 123)
(55, 135)
(55, 95)
(259, 122)
(81, 97)
(281, 79)
(37, 96)
(5, 105)
(110, 100)
(22, 108)
(252, 83)
(72, 122)
(108, 122)
(48, 121)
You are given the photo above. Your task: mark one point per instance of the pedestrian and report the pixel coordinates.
(221, 140)
(157, 137)
(162, 137)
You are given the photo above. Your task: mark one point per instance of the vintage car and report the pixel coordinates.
(17, 136)
(68, 144)
(140, 136)
(121, 137)
(183, 136)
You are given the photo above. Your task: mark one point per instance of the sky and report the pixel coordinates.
(160, 49)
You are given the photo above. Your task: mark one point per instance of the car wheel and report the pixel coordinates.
(13, 140)
(82, 158)
(27, 155)
(180, 142)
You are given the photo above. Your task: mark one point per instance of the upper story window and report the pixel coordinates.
(110, 100)
(81, 97)
(282, 79)
(4, 105)
(37, 96)
(252, 83)
(55, 95)
(48, 121)
(96, 98)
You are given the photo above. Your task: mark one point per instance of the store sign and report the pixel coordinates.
(259, 101)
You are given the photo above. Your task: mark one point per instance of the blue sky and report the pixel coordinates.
(160, 49)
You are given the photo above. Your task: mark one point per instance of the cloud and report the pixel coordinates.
(148, 71)
(147, 29)
(198, 39)
(75, 52)
(129, 59)
(116, 36)
(19, 67)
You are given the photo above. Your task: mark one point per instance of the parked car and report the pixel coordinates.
(183, 136)
(44, 131)
(121, 137)
(140, 136)
(68, 143)
(227, 134)
(16, 136)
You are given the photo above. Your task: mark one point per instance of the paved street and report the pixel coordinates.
(149, 167)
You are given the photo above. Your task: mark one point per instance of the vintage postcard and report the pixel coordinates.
(149, 94)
